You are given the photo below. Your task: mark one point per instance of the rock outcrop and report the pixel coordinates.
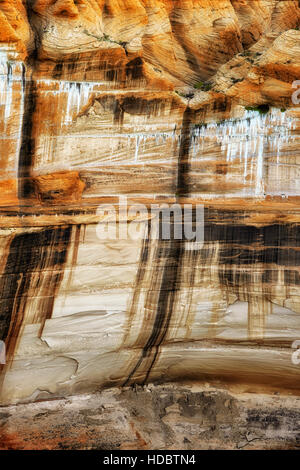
(172, 416)
(157, 101)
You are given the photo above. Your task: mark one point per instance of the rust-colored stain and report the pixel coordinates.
(51, 440)
(58, 187)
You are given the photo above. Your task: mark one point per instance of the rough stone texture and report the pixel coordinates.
(173, 416)
(146, 99)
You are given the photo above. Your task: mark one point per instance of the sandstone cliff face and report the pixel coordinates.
(147, 99)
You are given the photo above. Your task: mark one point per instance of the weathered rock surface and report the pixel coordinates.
(173, 416)
(146, 99)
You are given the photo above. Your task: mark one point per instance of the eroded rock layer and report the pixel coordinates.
(173, 416)
(148, 102)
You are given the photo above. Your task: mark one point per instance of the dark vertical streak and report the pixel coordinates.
(145, 252)
(173, 251)
(183, 162)
(28, 142)
(26, 156)
(29, 255)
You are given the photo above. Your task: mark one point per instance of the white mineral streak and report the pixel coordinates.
(86, 136)
(10, 72)
(132, 142)
(77, 94)
(141, 141)
(248, 139)
(12, 94)
(253, 146)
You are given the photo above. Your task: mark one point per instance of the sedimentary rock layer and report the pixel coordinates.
(161, 102)
(173, 416)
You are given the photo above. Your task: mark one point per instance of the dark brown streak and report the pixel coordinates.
(140, 276)
(173, 251)
(29, 255)
(25, 188)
